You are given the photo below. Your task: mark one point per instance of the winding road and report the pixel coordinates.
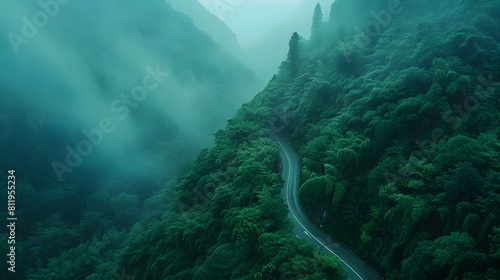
(306, 230)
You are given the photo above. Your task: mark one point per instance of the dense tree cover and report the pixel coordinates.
(227, 220)
(397, 129)
(224, 220)
(398, 135)
(397, 126)
(77, 226)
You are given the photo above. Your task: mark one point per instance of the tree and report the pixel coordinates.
(495, 243)
(437, 258)
(219, 264)
(249, 226)
(293, 54)
(347, 161)
(313, 188)
(272, 208)
(316, 25)
(463, 183)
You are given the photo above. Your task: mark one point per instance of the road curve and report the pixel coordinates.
(306, 230)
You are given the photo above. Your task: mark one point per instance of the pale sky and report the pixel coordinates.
(250, 19)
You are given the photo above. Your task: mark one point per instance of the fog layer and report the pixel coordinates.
(131, 89)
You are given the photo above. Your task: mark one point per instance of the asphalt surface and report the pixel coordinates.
(305, 229)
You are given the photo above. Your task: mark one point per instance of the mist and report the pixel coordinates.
(242, 17)
(97, 87)
(263, 28)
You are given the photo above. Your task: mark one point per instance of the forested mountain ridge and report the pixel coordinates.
(228, 220)
(398, 134)
(392, 106)
(397, 129)
(57, 90)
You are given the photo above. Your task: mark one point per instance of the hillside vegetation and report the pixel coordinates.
(398, 134)
(393, 108)
(397, 129)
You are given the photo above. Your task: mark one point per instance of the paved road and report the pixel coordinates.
(304, 229)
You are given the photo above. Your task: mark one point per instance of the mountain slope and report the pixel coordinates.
(397, 134)
(99, 110)
(305, 229)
